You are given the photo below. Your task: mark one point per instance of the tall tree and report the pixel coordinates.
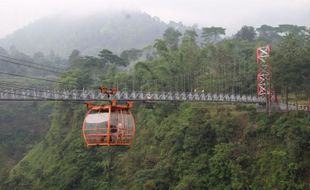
(131, 54)
(161, 47)
(74, 56)
(190, 35)
(108, 58)
(246, 33)
(171, 36)
(305, 69)
(212, 34)
(286, 65)
(268, 33)
(289, 28)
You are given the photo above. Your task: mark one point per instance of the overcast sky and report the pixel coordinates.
(231, 14)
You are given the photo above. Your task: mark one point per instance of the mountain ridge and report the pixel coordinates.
(89, 34)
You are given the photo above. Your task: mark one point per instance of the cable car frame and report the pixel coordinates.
(109, 124)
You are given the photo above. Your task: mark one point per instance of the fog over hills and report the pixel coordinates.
(115, 31)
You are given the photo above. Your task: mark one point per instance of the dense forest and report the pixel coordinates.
(177, 145)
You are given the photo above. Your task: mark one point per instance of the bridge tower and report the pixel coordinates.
(264, 75)
(264, 70)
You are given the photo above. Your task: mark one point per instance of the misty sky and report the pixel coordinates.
(231, 14)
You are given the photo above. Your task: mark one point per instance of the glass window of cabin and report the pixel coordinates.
(97, 120)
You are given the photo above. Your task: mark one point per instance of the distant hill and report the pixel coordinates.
(117, 31)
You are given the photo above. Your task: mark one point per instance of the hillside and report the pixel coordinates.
(179, 145)
(17, 136)
(89, 34)
(176, 147)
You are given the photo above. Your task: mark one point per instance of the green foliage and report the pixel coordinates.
(161, 47)
(190, 34)
(268, 33)
(171, 36)
(212, 34)
(22, 126)
(107, 57)
(131, 55)
(290, 65)
(246, 33)
(177, 145)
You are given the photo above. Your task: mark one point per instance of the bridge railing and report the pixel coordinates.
(88, 95)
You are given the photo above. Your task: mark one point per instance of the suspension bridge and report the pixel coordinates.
(94, 95)
(200, 86)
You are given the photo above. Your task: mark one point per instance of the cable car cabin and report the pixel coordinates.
(109, 125)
